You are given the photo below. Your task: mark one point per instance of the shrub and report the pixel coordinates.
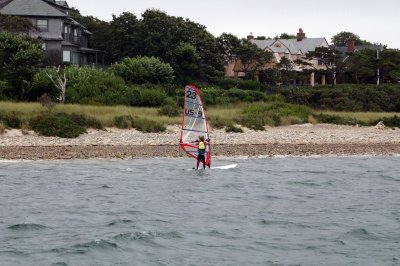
(233, 128)
(85, 121)
(338, 120)
(393, 121)
(146, 125)
(218, 122)
(140, 70)
(347, 97)
(123, 121)
(60, 125)
(10, 119)
(2, 128)
(255, 122)
(152, 97)
(169, 108)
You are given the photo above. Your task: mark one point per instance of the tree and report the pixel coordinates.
(15, 24)
(20, 58)
(389, 65)
(362, 66)
(228, 46)
(342, 37)
(185, 62)
(286, 67)
(102, 36)
(330, 58)
(252, 58)
(140, 70)
(286, 36)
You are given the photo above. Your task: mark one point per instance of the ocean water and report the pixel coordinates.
(271, 211)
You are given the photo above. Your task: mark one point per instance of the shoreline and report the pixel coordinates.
(169, 151)
(295, 140)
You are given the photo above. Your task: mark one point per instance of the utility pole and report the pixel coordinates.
(377, 71)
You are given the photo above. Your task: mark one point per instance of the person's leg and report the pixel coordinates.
(198, 162)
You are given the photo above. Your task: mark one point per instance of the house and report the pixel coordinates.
(64, 40)
(292, 49)
(350, 48)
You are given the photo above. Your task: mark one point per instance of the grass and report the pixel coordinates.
(366, 117)
(106, 114)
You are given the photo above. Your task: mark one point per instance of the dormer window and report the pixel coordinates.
(278, 45)
(42, 24)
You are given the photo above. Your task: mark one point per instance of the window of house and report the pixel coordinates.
(75, 35)
(42, 24)
(66, 56)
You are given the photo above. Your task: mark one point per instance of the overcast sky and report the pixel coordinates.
(374, 21)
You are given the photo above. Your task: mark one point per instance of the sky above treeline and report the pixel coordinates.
(374, 21)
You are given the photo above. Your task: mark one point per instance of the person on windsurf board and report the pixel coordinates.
(201, 152)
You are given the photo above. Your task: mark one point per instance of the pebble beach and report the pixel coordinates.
(294, 140)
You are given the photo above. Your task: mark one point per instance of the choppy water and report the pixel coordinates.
(273, 211)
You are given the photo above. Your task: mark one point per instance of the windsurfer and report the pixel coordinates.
(201, 152)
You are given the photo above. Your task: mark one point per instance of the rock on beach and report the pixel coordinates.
(295, 140)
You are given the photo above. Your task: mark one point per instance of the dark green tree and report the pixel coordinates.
(101, 38)
(286, 67)
(253, 59)
(15, 24)
(185, 61)
(330, 58)
(362, 66)
(389, 65)
(228, 45)
(286, 36)
(140, 70)
(20, 58)
(342, 37)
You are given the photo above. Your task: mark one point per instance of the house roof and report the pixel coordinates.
(30, 8)
(290, 45)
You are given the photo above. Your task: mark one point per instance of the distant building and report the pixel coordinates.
(64, 39)
(292, 49)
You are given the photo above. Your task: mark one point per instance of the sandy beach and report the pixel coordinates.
(296, 140)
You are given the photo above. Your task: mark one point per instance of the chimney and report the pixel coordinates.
(351, 46)
(300, 35)
(250, 37)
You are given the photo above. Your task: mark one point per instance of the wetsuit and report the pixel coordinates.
(201, 154)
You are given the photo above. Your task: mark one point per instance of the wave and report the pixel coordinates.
(27, 227)
(362, 234)
(97, 244)
(119, 221)
(147, 236)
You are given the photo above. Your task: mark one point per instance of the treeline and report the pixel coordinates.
(347, 97)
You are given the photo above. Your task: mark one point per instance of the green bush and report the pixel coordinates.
(123, 121)
(347, 97)
(10, 119)
(255, 122)
(169, 108)
(85, 121)
(218, 122)
(338, 120)
(233, 128)
(60, 125)
(140, 70)
(393, 121)
(146, 125)
(274, 114)
(152, 97)
(228, 83)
